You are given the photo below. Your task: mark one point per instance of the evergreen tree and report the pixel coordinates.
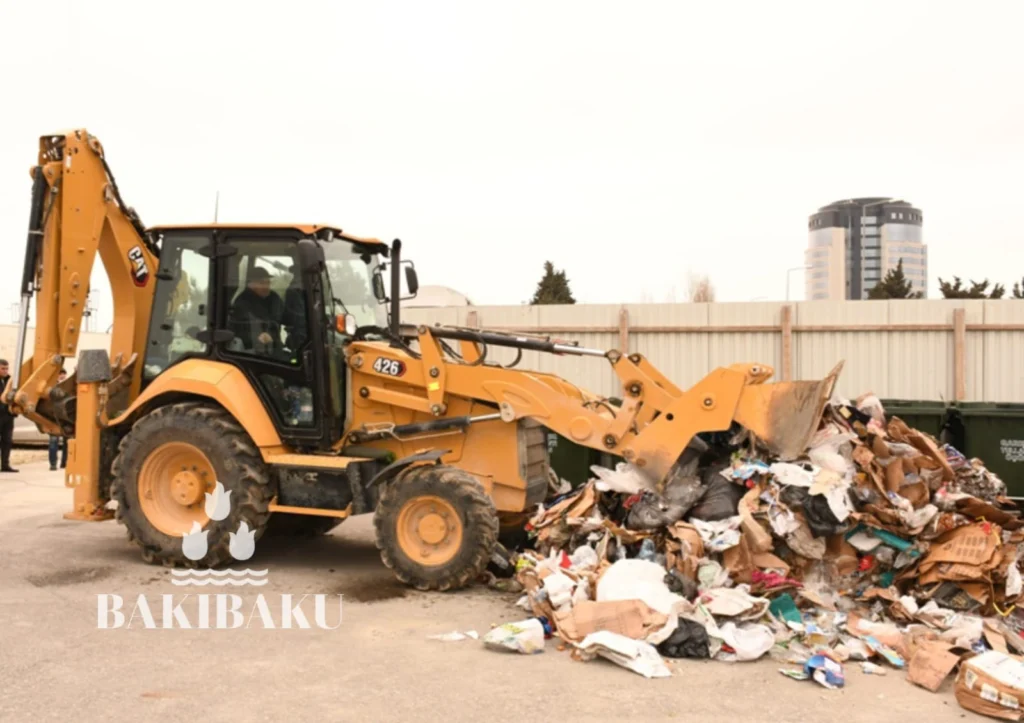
(977, 289)
(553, 288)
(894, 286)
(1018, 290)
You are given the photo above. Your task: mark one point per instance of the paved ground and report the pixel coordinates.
(378, 665)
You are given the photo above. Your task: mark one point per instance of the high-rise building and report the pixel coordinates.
(852, 244)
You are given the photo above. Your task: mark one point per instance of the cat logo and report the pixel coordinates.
(140, 274)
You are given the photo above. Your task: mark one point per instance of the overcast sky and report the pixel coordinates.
(629, 143)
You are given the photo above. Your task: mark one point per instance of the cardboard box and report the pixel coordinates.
(992, 684)
(632, 618)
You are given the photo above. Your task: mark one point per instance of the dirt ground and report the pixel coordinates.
(377, 665)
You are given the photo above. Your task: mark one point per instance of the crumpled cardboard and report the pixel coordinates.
(804, 543)
(758, 539)
(728, 602)
(917, 494)
(632, 618)
(992, 684)
(683, 549)
(739, 561)
(969, 553)
(974, 508)
(931, 665)
(549, 523)
(894, 476)
(900, 432)
(842, 554)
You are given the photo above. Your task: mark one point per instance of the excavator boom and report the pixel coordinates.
(76, 214)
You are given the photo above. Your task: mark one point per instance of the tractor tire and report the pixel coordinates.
(283, 524)
(435, 527)
(165, 464)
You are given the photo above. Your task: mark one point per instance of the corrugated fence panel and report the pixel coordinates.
(592, 373)
(1004, 353)
(446, 315)
(744, 346)
(588, 372)
(680, 356)
(865, 354)
(921, 362)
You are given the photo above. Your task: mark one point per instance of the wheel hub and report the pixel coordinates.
(188, 489)
(432, 528)
(172, 482)
(429, 530)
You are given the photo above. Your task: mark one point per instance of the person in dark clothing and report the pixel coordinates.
(257, 315)
(6, 422)
(58, 442)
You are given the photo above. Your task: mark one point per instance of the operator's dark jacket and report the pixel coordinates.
(252, 315)
(5, 413)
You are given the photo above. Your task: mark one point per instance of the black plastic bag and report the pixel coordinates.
(721, 499)
(816, 510)
(651, 512)
(682, 584)
(820, 518)
(690, 640)
(683, 487)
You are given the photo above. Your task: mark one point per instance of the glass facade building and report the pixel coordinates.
(852, 244)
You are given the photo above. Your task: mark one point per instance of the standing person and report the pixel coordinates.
(6, 422)
(58, 441)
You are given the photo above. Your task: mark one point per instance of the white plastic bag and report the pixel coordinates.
(634, 579)
(525, 636)
(626, 479)
(750, 641)
(584, 558)
(636, 655)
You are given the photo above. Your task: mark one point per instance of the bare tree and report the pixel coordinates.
(699, 289)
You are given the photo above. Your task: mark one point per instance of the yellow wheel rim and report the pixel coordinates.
(172, 486)
(429, 530)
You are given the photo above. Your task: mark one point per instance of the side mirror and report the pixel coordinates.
(412, 281)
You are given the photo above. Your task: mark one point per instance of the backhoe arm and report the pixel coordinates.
(651, 428)
(77, 213)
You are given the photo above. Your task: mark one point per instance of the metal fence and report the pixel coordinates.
(968, 350)
(929, 349)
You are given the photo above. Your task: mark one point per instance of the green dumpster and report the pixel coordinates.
(572, 462)
(928, 417)
(994, 433)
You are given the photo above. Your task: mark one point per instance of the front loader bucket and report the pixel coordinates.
(785, 415)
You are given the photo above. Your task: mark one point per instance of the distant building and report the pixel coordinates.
(433, 296)
(852, 244)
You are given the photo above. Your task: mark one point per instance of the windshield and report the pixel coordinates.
(350, 268)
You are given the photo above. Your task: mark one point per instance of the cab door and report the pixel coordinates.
(263, 312)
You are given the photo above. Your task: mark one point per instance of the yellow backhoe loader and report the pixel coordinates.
(272, 360)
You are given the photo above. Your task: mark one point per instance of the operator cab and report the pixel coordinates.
(277, 302)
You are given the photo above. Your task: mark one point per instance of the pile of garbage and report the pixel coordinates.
(879, 545)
